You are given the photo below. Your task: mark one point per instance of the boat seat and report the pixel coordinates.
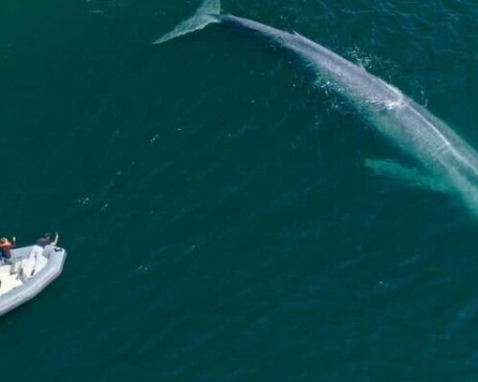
(15, 267)
(8, 281)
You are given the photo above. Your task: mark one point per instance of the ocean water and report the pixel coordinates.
(220, 222)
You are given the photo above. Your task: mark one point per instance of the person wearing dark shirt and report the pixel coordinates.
(48, 239)
(6, 248)
(29, 266)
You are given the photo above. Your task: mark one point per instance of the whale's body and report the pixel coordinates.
(435, 147)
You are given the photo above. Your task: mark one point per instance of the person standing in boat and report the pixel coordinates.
(36, 260)
(6, 247)
(48, 239)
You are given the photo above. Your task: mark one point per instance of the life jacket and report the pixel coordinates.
(5, 244)
(6, 249)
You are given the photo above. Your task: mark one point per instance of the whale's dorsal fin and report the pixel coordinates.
(296, 33)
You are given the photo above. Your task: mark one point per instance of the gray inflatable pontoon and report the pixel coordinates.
(27, 273)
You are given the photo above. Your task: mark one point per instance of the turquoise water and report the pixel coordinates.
(220, 222)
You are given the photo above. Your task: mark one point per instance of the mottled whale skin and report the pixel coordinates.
(428, 141)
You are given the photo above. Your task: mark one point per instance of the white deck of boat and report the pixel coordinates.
(10, 280)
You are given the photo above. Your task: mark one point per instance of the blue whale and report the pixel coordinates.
(439, 153)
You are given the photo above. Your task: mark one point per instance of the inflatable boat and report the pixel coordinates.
(27, 273)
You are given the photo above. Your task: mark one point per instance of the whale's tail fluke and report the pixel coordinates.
(201, 19)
